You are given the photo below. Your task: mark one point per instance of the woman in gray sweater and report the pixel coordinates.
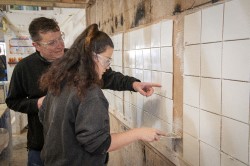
(74, 113)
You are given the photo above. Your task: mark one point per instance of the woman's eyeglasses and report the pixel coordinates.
(105, 61)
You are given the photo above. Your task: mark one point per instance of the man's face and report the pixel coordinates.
(51, 45)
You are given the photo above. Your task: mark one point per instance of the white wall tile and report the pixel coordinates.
(156, 58)
(127, 94)
(133, 94)
(191, 149)
(156, 35)
(132, 40)
(235, 139)
(227, 160)
(126, 59)
(146, 59)
(139, 38)
(151, 121)
(236, 60)
(157, 77)
(210, 95)
(119, 94)
(166, 85)
(192, 28)
(132, 58)
(156, 105)
(191, 90)
(114, 58)
(147, 75)
(210, 125)
(211, 60)
(113, 38)
(119, 41)
(166, 110)
(119, 69)
(192, 60)
(147, 37)
(209, 156)
(139, 74)
(130, 115)
(133, 98)
(111, 102)
(139, 97)
(127, 112)
(126, 41)
(235, 100)
(118, 106)
(108, 96)
(138, 59)
(237, 20)
(139, 117)
(166, 32)
(128, 71)
(191, 120)
(117, 58)
(147, 103)
(212, 22)
(167, 59)
(139, 100)
(120, 57)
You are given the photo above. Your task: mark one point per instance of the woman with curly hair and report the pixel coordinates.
(74, 113)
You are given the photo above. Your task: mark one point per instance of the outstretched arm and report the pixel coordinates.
(145, 88)
(117, 81)
(119, 140)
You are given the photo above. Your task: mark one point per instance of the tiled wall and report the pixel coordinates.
(217, 85)
(146, 54)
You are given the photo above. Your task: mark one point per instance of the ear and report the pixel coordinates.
(95, 58)
(37, 46)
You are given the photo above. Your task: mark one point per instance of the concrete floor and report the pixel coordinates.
(19, 153)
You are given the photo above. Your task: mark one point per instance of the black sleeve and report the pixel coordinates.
(117, 81)
(42, 109)
(17, 99)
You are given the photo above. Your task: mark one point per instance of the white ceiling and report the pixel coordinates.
(19, 20)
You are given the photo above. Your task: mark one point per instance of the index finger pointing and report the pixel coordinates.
(155, 85)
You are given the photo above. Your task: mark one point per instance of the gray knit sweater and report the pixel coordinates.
(75, 132)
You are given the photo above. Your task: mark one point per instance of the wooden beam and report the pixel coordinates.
(45, 3)
(74, 1)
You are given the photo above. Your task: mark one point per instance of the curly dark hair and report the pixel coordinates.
(42, 25)
(77, 67)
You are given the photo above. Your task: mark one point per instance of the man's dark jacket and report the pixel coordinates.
(24, 92)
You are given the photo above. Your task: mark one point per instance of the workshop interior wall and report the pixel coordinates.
(199, 52)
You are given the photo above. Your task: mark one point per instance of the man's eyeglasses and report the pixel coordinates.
(53, 43)
(105, 61)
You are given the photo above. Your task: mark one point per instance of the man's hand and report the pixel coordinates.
(40, 102)
(145, 88)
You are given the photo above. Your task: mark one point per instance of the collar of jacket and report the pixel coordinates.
(43, 59)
